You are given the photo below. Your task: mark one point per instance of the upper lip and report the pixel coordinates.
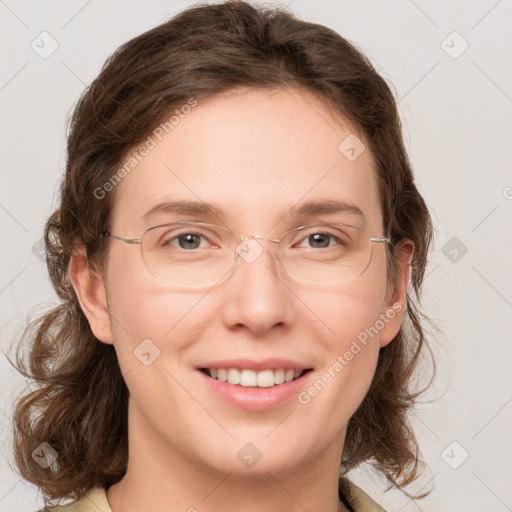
(257, 366)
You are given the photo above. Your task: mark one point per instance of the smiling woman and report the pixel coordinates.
(239, 306)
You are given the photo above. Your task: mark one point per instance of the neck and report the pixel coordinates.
(165, 478)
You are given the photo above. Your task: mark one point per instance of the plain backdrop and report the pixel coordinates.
(449, 63)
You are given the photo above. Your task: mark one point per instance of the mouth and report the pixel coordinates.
(243, 377)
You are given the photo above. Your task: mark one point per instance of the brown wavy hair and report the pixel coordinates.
(78, 404)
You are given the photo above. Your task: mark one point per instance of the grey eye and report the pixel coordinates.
(319, 240)
(189, 241)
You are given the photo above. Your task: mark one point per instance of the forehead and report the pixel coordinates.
(255, 156)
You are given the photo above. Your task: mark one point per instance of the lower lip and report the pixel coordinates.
(253, 398)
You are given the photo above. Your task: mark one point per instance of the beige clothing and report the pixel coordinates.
(96, 500)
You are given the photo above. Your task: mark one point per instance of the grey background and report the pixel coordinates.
(456, 111)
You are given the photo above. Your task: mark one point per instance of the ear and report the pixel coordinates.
(90, 290)
(395, 305)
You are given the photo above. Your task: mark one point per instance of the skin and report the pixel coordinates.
(254, 154)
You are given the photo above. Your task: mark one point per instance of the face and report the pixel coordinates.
(254, 155)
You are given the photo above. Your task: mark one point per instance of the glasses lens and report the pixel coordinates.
(326, 253)
(198, 254)
(188, 254)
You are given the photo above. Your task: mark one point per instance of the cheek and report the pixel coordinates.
(354, 347)
(352, 313)
(348, 363)
(142, 309)
(351, 322)
(156, 314)
(152, 333)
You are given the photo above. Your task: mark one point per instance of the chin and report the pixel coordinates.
(252, 460)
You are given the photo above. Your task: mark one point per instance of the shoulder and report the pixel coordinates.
(95, 500)
(356, 498)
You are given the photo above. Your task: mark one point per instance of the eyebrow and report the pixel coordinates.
(307, 209)
(195, 208)
(326, 206)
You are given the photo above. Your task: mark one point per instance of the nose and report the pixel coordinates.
(256, 296)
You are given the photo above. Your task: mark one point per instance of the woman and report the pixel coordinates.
(237, 234)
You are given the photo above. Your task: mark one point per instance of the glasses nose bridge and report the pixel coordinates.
(258, 237)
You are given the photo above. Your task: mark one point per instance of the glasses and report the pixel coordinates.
(197, 254)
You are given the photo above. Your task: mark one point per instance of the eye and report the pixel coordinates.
(172, 241)
(319, 240)
(188, 240)
(324, 239)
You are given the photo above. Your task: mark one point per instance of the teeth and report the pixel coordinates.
(250, 378)
(233, 376)
(279, 376)
(265, 379)
(247, 377)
